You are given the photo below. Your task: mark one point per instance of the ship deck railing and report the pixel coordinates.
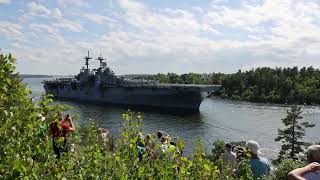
(177, 86)
(201, 87)
(60, 80)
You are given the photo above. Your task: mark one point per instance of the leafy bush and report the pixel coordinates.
(217, 150)
(285, 166)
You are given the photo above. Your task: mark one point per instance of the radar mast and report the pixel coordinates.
(101, 59)
(87, 58)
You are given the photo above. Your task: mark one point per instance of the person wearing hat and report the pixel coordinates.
(260, 166)
(311, 171)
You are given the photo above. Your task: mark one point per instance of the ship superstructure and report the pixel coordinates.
(101, 85)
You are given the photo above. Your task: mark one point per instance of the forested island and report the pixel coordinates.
(264, 84)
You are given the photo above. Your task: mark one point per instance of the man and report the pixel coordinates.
(103, 137)
(260, 166)
(229, 157)
(162, 134)
(311, 171)
(58, 130)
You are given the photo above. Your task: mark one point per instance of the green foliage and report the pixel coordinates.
(244, 170)
(272, 85)
(287, 85)
(285, 167)
(190, 78)
(293, 134)
(217, 150)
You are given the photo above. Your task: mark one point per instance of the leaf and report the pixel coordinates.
(206, 167)
(59, 175)
(174, 166)
(117, 158)
(5, 112)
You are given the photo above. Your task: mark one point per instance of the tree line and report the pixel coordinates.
(265, 84)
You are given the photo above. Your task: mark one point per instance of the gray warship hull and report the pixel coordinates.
(101, 85)
(164, 96)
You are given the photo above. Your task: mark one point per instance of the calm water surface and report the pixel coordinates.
(218, 119)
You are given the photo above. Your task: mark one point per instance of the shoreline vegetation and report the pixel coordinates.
(26, 150)
(260, 85)
(35, 76)
(263, 85)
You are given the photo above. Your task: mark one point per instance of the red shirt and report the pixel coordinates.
(56, 131)
(65, 128)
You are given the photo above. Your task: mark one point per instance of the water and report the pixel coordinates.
(218, 119)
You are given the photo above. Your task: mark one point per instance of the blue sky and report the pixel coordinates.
(151, 36)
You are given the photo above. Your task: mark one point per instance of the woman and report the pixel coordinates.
(67, 127)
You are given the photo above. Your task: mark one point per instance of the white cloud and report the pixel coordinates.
(152, 39)
(131, 5)
(5, 1)
(219, 2)
(271, 32)
(78, 3)
(100, 19)
(37, 8)
(56, 13)
(283, 17)
(69, 25)
(167, 21)
(10, 29)
(43, 28)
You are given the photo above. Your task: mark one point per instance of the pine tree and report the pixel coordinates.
(293, 134)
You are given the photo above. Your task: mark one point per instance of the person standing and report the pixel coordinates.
(59, 129)
(229, 157)
(260, 166)
(67, 126)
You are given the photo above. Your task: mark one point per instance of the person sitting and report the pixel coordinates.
(311, 171)
(229, 157)
(260, 166)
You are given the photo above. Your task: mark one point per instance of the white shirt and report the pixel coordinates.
(312, 176)
(164, 147)
(230, 157)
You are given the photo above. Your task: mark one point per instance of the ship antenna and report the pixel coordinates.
(100, 58)
(87, 58)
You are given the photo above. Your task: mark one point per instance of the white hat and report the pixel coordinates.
(253, 146)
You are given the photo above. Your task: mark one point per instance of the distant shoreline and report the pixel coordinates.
(35, 76)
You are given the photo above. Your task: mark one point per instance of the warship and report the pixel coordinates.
(101, 85)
